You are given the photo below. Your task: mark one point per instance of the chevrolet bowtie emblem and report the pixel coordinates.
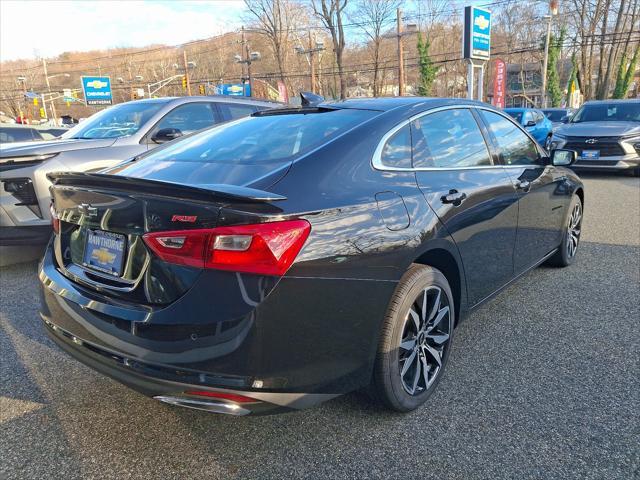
(87, 210)
(103, 256)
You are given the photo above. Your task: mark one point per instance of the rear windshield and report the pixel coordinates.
(608, 112)
(257, 140)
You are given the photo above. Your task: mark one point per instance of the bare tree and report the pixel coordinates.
(372, 17)
(330, 12)
(275, 20)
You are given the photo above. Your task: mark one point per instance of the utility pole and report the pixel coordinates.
(313, 48)
(53, 107)
(186, 71)
(400, 54)
(246, 58)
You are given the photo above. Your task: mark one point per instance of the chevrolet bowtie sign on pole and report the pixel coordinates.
(476, 46)
(97, 90)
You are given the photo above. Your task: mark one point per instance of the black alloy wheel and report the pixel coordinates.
(415, 339)
(568, 249)
(425, 337)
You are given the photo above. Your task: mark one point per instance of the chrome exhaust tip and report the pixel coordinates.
(205, 405)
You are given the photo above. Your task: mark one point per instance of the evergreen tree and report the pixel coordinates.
(553, 78)
(426, 67)
(625, 74)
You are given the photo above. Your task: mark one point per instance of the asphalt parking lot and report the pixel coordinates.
(543, 383)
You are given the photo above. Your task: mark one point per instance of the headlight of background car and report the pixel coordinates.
(557, 141)
(633, 141)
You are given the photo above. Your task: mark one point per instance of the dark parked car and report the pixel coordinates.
(280, 260)
(558, 116)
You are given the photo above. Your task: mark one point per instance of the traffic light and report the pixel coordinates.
(184, 82)
(201, 89)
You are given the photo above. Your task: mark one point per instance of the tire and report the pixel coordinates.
(432, 340)
(547, 143)
(567, 251)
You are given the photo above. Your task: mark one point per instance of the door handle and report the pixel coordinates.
(523, 185)
(454, 197)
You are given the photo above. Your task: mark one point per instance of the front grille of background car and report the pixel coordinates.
(608, 146)
(597, 163)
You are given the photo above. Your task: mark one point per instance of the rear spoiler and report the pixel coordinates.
(157, 187)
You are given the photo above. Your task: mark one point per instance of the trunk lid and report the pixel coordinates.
(103, 218)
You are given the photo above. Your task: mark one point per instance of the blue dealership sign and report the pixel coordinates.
(234, 89)
(477, 33)
(97, 90)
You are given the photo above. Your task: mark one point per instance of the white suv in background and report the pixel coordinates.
(103, 140)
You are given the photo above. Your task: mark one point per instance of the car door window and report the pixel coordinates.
(232, 111)
(449, 139)
(189, 118)
(397, 151)
(515, 146)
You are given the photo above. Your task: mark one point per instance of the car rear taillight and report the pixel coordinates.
(263, 248)
(55, 221)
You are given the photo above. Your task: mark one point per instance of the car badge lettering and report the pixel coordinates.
(184, 218)
(591, 141)
(87, 210)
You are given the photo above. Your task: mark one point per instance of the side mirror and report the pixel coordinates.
(563, 158)
(166, 135)
(565, 119)
(531, 123)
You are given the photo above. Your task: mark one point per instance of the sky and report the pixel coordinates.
(33, 28)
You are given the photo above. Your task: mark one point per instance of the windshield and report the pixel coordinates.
(117, 121)
(516, 115)
(555, 115)
(262, 142)
(608, 112)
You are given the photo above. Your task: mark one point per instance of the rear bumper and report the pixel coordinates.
(305, 343)
(137, 375)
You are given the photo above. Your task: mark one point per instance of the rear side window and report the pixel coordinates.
(189, 118)
(232, 111)
(449, 139)
(397, 151)
(17, 135)
(272, 139)
(516, 148)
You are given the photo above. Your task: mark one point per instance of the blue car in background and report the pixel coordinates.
(535, 122)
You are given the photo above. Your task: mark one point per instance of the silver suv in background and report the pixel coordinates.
(103, 140)
(605, 134)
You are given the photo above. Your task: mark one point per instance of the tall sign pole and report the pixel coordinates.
(400, 54)
(476, 46)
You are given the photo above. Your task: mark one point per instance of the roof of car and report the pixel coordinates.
(223, 98)
(384, 104)
(618, 100)
(17, 125)
(520, 109)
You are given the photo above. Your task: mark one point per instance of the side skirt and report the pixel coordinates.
(514, 279)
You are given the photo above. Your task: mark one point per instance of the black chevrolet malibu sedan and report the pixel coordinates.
(280, 260)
